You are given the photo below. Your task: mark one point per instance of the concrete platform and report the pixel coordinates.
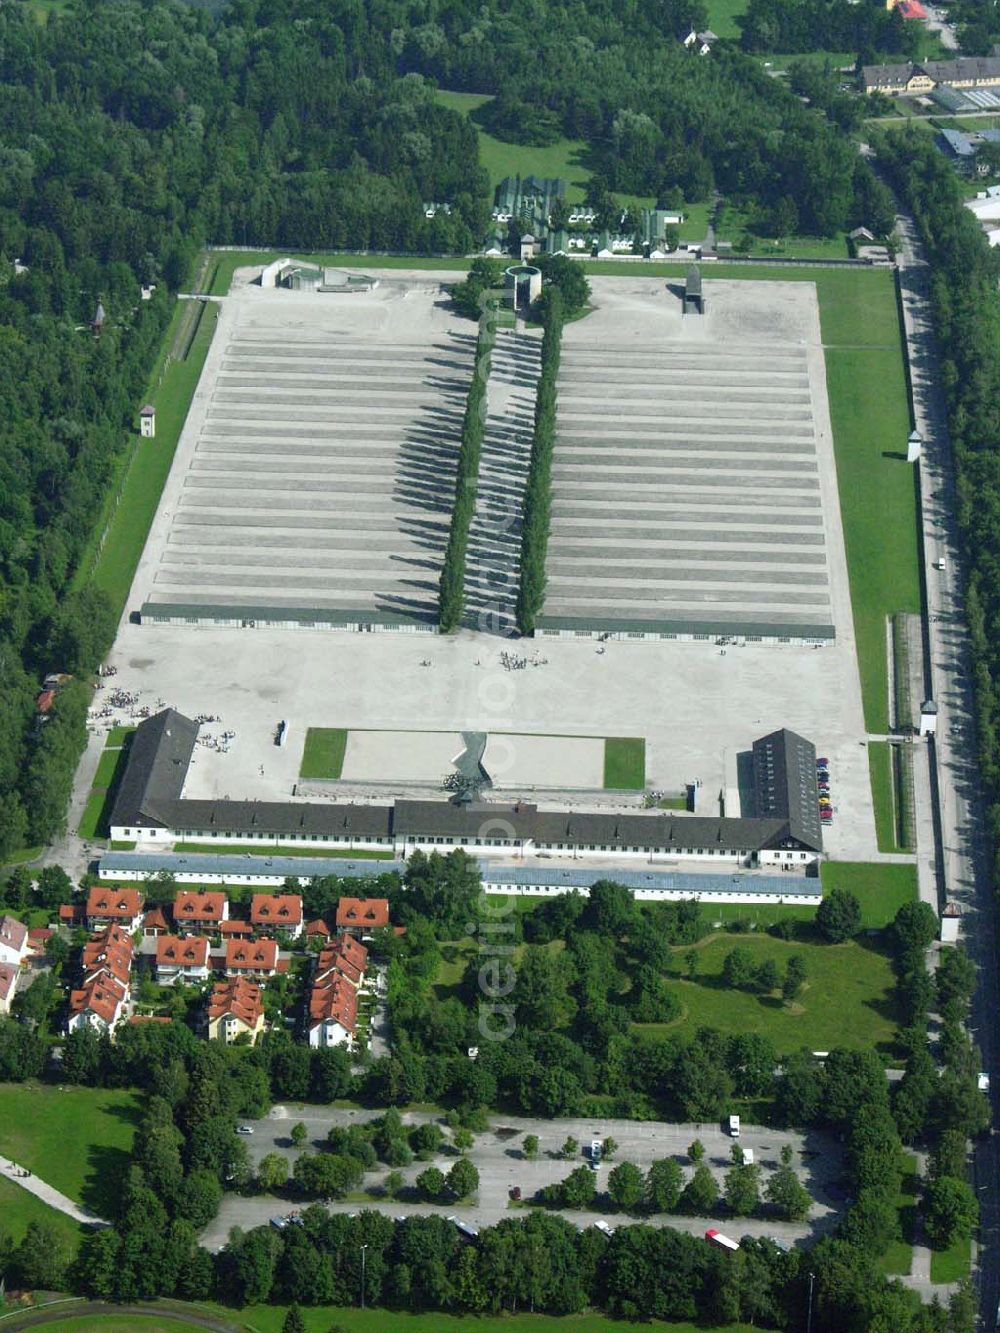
(317, 466)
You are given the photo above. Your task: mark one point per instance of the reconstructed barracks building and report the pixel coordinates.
(150, 809)
(913, 79)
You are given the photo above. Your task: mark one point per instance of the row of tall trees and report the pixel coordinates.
(538, 490)
(539, 1263)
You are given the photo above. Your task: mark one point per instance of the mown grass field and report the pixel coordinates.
(954, 1263)
(880, 889)
(847, 999)
(566, 157)
(75, 1139)
(323, 754)
(625, 763)
(897, 1259)
(722, 16)
(115, 566)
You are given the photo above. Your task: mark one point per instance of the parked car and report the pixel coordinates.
(823, 763)
(244, 1129)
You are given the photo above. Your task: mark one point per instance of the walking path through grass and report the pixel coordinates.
(30, 1182)
(77, 1139)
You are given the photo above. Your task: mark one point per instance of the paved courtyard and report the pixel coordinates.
(696, 704)
(317, 465)
(688, 491)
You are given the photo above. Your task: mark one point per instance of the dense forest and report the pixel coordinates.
(867, 28)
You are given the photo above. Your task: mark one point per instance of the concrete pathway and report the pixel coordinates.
(12, 1171)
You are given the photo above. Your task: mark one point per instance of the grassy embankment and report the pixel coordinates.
(170, 390)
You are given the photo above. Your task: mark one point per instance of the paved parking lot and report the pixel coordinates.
(499, 1159)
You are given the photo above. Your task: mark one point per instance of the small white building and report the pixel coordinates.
(951, 919)
(147, 422)
(928, 718)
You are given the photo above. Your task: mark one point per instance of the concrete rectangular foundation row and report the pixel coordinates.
(686, 490)
(323, 469)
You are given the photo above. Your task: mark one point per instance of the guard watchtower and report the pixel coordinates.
(694, 300)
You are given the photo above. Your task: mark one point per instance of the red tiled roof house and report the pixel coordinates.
(235, 1007)
(362, 916)
(110, 904)
(181, 958)
(277, 911)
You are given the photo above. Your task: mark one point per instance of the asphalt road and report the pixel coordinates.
(963, 869)
(499, 1158)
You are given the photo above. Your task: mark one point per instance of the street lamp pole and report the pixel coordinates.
(363, 1248)
(809, 1317)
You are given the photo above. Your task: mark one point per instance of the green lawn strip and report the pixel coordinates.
(883, 794)
(897, 1259)
(954, 1263)
(870, 417)
(75, 1139)
(150, 463)
(759, 915)
(847, 1000)
(624, 763)
(94, 823)
(269, 1319)
(18, 1208)
(695, 224)
(880, 889)
(268, 849)
(90, 820)
(323, 755)
(903, 788)
(117, 736)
